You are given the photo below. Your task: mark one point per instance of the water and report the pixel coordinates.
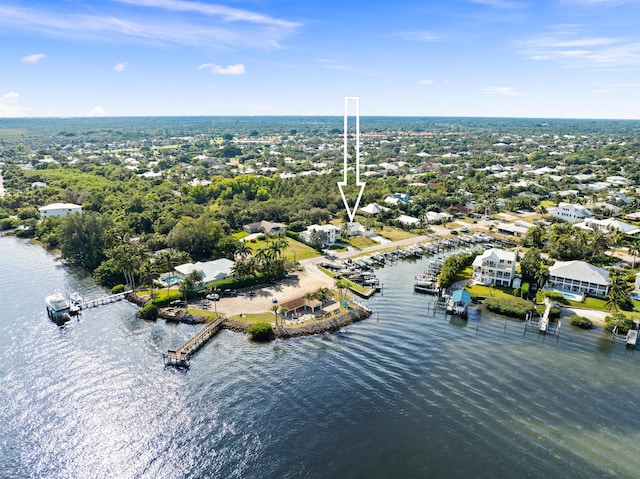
(402, 394)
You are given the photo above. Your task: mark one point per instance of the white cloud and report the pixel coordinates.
(237, 69)
(120, 67)
(174, 21)
(500, 3)
(97, 111)
(9, 105)
(228, 14)
(501, 90)
(426, 82)
(589, 52)
(34, 58)
(333, 65)
(420, 36)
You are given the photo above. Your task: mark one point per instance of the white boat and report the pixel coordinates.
(425, 283)
(57, 305)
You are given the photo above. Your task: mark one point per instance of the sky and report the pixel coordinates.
(488, 58)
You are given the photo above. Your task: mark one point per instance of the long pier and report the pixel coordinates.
(181, 357)
(112, 298)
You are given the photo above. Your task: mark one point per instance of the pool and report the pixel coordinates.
(169, 280)
(578, 297)
(634, 296)
(572, 296)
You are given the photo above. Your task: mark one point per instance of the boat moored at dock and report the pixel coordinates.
(57, 306)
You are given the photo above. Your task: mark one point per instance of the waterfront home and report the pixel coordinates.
(331, 232)
(495, 266)
(268, 227)
(573, 213)
(59, 210)
(579, 277)
(211, 270)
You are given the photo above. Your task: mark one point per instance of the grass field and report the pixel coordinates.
(296, 251)
(394, 234)
(362, 242)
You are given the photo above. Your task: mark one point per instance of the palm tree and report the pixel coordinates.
(167, 260)
(242, 250)
(275, 309)
(323, 295)
(634, 249)
(190, 282)
(342, 285)
(618, 291)
(148, 273)
(284, 311)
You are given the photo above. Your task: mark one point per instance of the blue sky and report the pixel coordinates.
(514, 58)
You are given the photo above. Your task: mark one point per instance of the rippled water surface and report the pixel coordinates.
(406, 393)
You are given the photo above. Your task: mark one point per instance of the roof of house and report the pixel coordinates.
(610, 224)
(60, 206)
(211, 270)
(496, 254)
(407, 220)
(373, 209)
(580, 270)
(461, 296)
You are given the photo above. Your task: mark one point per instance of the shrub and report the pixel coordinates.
(514, 307)
(260, 331)
(148, 311)
(581, 321)
(620, 320)
(554, 296)
(118, 288)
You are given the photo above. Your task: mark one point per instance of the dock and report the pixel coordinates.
(112, 298)
(632, 334)
(181, 357)
(544, 321)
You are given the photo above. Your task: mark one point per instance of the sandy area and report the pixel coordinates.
(593, 314)
(310, 279)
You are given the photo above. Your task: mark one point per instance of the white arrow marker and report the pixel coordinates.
(358, 182)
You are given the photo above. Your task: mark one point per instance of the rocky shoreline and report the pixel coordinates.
(329, 325)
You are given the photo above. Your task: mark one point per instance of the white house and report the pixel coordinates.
(373, 209)
(59, 209)
(408, 221)
(357, 229)
(332, 233)
(608, 226)
(495, 266)
(572, 213)
(211, 270)
(432, 217)
(579, 277)
(398, 198)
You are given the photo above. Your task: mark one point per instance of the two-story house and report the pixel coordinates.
(495, 266)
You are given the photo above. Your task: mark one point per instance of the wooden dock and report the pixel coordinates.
(112, 298)
(544, 321)
(181, 357)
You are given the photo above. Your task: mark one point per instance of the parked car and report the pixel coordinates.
(213, 296)
(229, 292)
(464, 229)
(177, 302)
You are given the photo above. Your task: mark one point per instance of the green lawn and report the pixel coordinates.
(480, 290)
(240, 235)
(362, 242)
(296, 251)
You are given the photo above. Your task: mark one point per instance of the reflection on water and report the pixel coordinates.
(408, 392)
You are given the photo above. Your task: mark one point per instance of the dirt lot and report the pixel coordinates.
(260, 299)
